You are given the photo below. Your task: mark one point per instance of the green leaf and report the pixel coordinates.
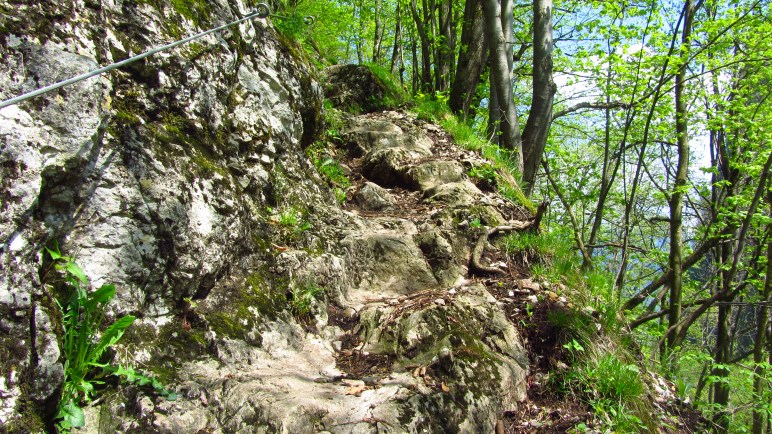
(54, 252)
(110, 337)
(72, 414)
(75, 270)
(104, 294)
(134, 377)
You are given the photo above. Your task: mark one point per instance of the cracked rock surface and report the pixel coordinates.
(183, 181)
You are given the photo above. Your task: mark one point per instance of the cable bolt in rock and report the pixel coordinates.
(261, 11)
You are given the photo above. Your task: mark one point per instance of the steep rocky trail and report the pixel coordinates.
(430, 188)
(411, 342)
(263, 300)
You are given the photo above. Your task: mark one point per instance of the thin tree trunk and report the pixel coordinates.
(494, 114)
(501, 76)
(569, 211)
(471, 60)
(414, 64)
(445, 49)
(724, 293)
(430, 23)
(538, 124)
(701, 382)
(607, 179)
(378, 34)
(396, 52)
(760, 343)
(682, 171)
(721, 388)
(769, 353)
(426, 84)
(656, 95)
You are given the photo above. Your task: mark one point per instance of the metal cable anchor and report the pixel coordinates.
(262, 10)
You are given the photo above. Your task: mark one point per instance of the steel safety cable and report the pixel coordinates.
(261, 11)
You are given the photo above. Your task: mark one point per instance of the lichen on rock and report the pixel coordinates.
(183, 180)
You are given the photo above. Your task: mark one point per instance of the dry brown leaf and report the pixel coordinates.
(355, 390)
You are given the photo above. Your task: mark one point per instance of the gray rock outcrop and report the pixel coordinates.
(356, 88)
(154, 176)
(182, 179)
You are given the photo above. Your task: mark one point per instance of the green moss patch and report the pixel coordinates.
(197, 11)
(245, 309)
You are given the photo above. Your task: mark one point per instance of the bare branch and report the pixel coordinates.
(589, 105)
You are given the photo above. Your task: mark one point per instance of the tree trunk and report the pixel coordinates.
(501, 75)
(396, 53)
(494, 114)
(610, 166)
(426, 57)
(655, 94)
(682, 172)
(538, 124)
(760, 344)
(471, 60)
(720, 387)
(414, 66)
(378, 34)
(445, 47)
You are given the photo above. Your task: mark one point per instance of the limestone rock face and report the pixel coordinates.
(436, 172)
(263, 302)
(468, 345)
(152, 175)
(373, 197)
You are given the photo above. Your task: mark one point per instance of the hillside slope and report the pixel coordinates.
(268, 297)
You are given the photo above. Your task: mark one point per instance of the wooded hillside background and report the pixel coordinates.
(646, 124)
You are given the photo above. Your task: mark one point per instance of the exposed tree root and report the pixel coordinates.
(475, 264)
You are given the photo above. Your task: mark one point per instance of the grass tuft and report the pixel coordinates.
(435, 109)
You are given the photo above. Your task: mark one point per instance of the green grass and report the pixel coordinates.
(435, 109)
(395, 93)
(303, 300)
(602, 373)
(323, 156)
(603, 376)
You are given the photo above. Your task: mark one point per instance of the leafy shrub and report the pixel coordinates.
(484, 174)
(83, 313)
